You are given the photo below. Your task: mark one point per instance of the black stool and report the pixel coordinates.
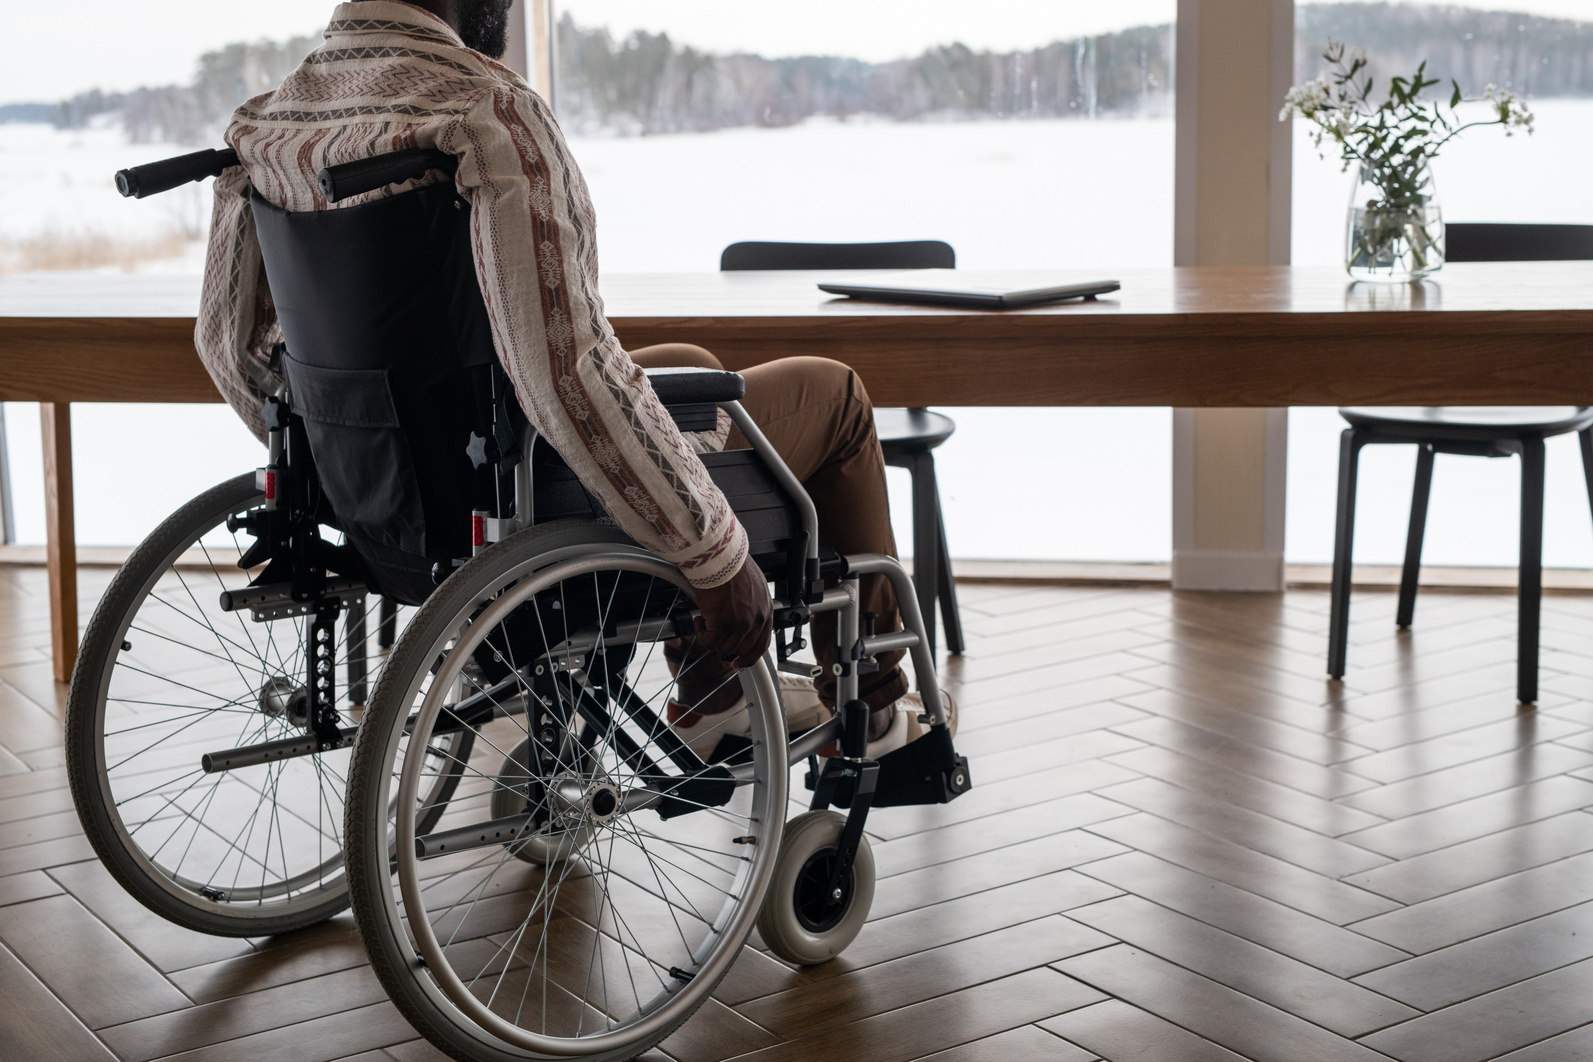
(906, 435)
(1473, 431)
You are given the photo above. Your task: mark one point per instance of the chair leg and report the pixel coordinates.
(926, 540)
(1343, 541)
(1413, 538)
(1585, 437)
(950, 615)
(1529, 598)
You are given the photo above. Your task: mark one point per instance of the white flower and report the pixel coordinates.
(1306, 99)
(1509, 110)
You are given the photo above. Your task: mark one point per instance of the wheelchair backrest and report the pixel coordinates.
(390, 362)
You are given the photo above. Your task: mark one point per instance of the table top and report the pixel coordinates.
(1505, 333)
(1513, 287)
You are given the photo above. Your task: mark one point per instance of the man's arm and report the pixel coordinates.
(536, 259)
(237, 324)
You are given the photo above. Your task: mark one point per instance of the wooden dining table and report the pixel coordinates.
(1474, 334)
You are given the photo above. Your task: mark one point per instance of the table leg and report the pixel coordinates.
(56, 420)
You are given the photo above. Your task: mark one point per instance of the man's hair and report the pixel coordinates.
(484, 26)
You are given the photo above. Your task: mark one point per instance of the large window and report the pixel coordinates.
(1546, 57)
(1025, 135)
(99, 85)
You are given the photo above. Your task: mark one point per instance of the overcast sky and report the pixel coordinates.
(115, 44)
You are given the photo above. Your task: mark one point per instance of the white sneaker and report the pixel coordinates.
(905, 727)
(803, 711)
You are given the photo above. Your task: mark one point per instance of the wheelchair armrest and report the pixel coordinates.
(692, 386)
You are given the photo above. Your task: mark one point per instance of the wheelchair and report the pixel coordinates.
(539, 863)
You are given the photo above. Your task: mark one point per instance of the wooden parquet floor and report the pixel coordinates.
(1184, 845)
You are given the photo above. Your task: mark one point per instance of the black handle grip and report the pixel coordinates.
(155, 177)
(362, 175)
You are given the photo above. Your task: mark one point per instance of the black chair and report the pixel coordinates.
(1471, 431)
(907, 436)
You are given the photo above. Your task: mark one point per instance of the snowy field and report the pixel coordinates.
(1095, 484)
(56, 188)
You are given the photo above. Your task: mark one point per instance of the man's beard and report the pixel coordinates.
(484, 26)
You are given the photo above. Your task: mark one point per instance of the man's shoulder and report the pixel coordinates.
(376, 73)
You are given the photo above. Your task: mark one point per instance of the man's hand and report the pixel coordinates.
(737, 616)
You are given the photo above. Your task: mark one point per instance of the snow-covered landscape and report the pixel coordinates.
(1094, 195)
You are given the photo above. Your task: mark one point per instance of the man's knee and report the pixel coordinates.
(675, 356)
(826, 378)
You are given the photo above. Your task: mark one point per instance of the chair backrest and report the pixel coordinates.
(908, 254)
(1474, 242)
(391, 364)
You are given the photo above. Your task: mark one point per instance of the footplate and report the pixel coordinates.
(927, 771)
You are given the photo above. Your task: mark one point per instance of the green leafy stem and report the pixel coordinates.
(1395, 140)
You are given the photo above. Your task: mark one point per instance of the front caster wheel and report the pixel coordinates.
(802, 920)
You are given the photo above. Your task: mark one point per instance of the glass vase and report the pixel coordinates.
(1394, 238)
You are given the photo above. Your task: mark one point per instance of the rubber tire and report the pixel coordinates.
(370, 883)
(806, 836)
(100, 641)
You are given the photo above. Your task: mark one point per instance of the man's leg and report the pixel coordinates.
(818, 416)
(674, 356)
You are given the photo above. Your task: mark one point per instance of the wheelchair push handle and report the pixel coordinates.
(136, 182)
(362, 175)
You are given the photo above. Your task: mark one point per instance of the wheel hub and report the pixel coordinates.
(282, 698)
(820, 906)
(574, 801)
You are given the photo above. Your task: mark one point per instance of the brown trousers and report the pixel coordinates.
(817, 415)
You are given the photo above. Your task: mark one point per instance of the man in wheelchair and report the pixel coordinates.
(396, 75)
(557, 803)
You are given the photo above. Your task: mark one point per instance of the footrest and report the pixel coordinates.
(928, 771)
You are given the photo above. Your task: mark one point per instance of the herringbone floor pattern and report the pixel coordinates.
(1184, 845)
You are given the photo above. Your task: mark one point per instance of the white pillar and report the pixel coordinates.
(1232, 207)
(530, 52)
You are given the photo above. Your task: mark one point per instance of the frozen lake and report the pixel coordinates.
(1076, 484)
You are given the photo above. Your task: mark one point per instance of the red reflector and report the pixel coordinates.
(270, 485)
(478, 530)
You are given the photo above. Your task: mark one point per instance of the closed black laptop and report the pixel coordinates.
(955, 287)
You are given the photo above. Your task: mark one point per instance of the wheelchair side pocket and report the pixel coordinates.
(361, 452)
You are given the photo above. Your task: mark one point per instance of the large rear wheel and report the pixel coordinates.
(166, 677)
(591, 880)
